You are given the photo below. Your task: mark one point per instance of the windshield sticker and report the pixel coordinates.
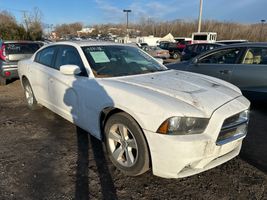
(100, 57)
(94, 48)
(13, 47)
(143, 68)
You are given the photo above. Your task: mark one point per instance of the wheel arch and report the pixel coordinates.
(24, 79)
(107, 112)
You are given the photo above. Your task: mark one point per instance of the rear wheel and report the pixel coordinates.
(176, 55)
(126, 145)
(2, 80)
(30, 98)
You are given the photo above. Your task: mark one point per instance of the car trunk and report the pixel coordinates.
(17, 51)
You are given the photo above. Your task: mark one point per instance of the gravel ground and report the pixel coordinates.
(42, 156)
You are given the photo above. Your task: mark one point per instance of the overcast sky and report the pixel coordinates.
(103, 11)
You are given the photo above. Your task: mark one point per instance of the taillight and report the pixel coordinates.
(3, 52)
(7, 73)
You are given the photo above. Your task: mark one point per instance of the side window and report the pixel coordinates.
(200, 48)
(69, 55)
(45, 56)
(255, 56)
(228, 56)
(210, 47)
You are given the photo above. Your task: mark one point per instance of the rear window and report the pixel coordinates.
(21, 48)
(200, 37)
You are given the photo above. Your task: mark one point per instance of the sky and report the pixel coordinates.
(91, 12)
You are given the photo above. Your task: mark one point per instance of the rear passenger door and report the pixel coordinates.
(250, 75)
(39, 73)
(218, 64)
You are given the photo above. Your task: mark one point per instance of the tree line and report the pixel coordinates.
(225, 30)
(32, 29)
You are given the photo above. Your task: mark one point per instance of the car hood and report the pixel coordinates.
(200, 91)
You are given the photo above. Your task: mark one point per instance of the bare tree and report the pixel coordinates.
(9, 28)
(68, 29)
(33, 22)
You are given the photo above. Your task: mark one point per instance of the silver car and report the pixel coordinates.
(244, 65)
(15, 51)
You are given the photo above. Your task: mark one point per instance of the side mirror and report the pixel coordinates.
(70, 69)
(195, 61)
(160, 60)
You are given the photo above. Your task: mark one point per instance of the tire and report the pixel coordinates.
(175, 55)
(30, 98)
(128, 151)
(3, 81)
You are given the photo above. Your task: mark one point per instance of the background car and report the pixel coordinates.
(227, 42)
(157, 52)
(244, 65)
(15, 51)
(192, 50)
(175, 48)
(179, 124)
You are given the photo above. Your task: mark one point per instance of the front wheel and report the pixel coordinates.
(126, 145)
(30, 98)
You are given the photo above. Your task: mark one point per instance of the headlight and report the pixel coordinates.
(244, 115)
(183, 126)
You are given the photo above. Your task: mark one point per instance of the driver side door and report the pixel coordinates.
(62, 88)
(219, 64)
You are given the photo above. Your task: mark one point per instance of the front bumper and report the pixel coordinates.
(175, 156)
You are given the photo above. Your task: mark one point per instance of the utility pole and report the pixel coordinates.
(261, 34)
(200, 16)
(26, 21)
(127, 12)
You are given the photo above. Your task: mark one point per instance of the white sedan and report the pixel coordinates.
(177, 123)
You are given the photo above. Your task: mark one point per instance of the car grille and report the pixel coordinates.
(233, 128)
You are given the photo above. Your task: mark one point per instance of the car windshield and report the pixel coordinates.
(21, 48)
(119, 60)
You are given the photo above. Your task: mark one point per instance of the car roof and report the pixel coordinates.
(20, 41)
(249, 44)
(89, 43)
(207, 43)
(232, 41)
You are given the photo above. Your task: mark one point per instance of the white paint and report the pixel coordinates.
(150, 99)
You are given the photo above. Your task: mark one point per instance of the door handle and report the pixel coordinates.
(225, 71)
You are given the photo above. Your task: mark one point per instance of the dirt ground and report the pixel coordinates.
(42, 156)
